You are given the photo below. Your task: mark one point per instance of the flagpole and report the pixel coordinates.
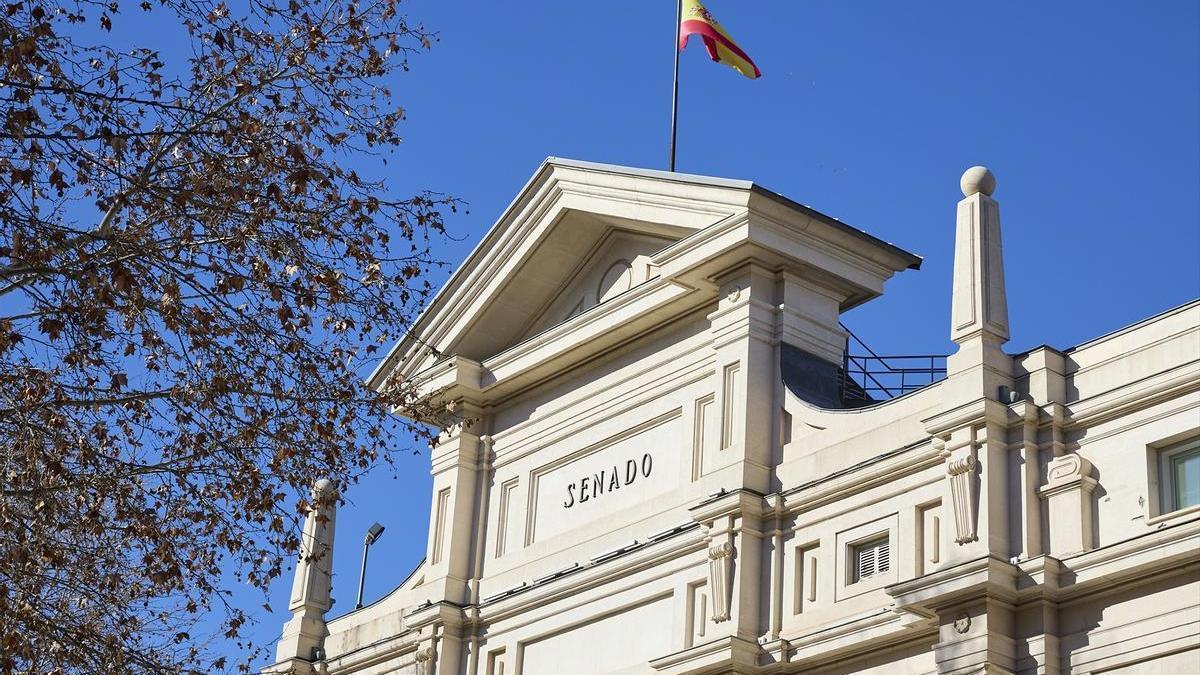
(675, 82)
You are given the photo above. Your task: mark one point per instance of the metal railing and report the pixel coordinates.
(869, 378)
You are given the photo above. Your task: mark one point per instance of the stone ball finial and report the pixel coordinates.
(323, 486)
(977, 179)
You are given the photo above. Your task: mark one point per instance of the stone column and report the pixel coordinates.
(734, 534)
(742, 330)
(1029, 472)
(972, 439)
(456, 461)
(459, 459)
(311, 596)
(974, 432)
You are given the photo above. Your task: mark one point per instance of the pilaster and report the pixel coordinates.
(440, 645)
(967, 590)
(974, 435)
(734, 533)
(1028, 506)
(457, 461)
(809, 316)
(976, 637)
(973, 444)
(1040, 375)
(742, 330)
(973, 605)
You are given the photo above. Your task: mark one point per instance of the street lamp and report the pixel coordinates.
(373, 535)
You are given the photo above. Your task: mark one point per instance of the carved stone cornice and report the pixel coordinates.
(436, 614)
(723, 655)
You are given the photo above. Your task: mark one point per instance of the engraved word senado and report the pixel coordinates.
(590, 487)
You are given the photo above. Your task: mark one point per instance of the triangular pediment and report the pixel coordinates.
(602, 251)
(578, 234)
(576, 264)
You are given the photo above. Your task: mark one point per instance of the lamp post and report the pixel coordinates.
(373, 535)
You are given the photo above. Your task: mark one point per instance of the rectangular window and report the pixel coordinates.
(871, 558)
(1180, 476)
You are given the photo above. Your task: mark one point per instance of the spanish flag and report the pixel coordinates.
(696, 20)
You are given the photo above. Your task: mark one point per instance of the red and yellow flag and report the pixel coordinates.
(696, 20)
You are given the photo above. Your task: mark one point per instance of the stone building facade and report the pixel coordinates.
(658, 463)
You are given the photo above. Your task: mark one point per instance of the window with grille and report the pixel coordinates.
(871, 558)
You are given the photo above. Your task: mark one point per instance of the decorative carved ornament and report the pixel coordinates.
(962, 622)
(425, 660)
(720, 578)
(1068, 472)
(960, 471)
(1067, 468)
(733, 292)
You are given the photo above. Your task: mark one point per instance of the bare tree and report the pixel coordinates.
(192, 276)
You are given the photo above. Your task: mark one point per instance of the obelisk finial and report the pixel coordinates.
(980, 303)
(312, 587)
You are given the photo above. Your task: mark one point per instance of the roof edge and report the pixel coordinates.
(913, 260)
(1112, 333)
(1132, 326)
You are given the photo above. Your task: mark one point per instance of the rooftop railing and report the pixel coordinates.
(871, 378)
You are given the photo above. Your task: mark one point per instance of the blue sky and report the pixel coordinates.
(1087, 112)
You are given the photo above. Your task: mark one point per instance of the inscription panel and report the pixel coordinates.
(616, 473)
